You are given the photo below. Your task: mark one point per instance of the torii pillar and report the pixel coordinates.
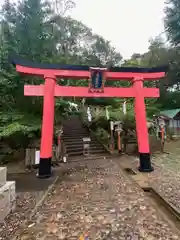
(47, 127)
(141, 127)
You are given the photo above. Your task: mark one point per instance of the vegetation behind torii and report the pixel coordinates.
(42, 32)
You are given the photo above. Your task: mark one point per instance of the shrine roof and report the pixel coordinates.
(18, 61)
(170, 113)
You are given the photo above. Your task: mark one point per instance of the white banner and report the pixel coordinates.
(107, 113)
(89, 114)
(37, 157)
(111, 125)
(124, 108)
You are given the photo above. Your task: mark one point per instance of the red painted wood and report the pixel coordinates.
(34, 90)
(86, 74)
(66, 91)
(140, 116)
(48, 118)
(69, 91)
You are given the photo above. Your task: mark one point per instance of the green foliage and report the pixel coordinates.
(10, 129)
(160, 54)
(100, 121)
(12, 123)
(40, 31)
(102, 134)
(172, 21)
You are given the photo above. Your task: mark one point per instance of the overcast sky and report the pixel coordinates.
(128, 24)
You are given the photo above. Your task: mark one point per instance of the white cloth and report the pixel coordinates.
(124, 108)
(89, 114)
(112, 125)
(107, 113)
(162, 122)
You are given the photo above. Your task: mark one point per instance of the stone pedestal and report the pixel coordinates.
(7, 195)
(3, 173)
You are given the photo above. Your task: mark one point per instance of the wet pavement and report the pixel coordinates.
(97, 198)
(28, 182)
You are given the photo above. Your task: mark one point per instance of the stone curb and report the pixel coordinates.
(34, 211)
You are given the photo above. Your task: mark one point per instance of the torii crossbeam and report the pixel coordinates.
(50, 89)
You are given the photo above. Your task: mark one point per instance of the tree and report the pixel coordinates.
(100, 52)
(33, 36)
(23, 33)
(62, 7)
(172, 21)
(41, 32)
(158, 54)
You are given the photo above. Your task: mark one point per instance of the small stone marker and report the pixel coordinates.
(86, 146)
(37, 157)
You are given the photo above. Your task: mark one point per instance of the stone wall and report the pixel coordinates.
(7, 194)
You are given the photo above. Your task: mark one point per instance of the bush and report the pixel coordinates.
(102, 135)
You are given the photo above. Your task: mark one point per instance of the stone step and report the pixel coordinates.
(3, 175)
(80, 153)
(73, 125)
(80, 148)
(79, 136)
(7, 199)
(74, 138)
(80, 144)
(90, 157)
(74, 128)
(78, 141)
(74, 147)
(71, 134)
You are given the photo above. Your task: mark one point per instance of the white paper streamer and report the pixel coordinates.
(124, 108)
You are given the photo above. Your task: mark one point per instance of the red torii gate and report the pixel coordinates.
(50, 90)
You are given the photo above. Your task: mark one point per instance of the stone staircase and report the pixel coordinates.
(7, 194)
(73, 134)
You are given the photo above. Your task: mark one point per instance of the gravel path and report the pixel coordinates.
(166, 180)
(30, 191)
(166, 176)
(97, 199)
(170, 161)
(25, 203)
